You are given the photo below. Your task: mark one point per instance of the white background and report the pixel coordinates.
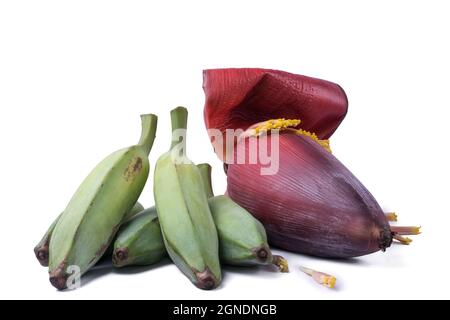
(75, 75)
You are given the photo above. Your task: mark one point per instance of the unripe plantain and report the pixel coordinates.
(139, 242)
(243, 239)
(95, 212)
(188, 229)
(41, 249)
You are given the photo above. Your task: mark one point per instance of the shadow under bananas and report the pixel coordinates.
(267, 271)
(104, 267)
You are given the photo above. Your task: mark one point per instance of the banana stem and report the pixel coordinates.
(149, 124)
(178, 118)
(205, 171)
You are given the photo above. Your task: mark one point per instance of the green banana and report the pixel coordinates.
(96, 210)
(139, 242)
(41, 249)
(187, 226)
(243, 239)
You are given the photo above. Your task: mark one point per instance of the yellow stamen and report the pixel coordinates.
(324, 143)
(283, 124)
(273, 124)
(391, 216)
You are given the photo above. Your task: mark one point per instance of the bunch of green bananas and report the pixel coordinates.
(242, 238)
(197, 230)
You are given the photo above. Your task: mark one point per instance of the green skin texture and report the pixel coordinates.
(186, 223)
(45, 241)
(187, 226)
(142, 240)
(95, 212)
(240, 234)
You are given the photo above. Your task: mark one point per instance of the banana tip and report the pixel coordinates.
(121, 254)
(58, 277)
(206, 280)
(262, 253)
(58, 281)
(42, 255)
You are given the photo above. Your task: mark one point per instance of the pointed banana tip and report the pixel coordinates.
(58, 278)
(42, 255)
(206, 280)
(120, 256)
(262, 254)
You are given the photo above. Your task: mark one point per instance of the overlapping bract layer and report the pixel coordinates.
(313, 204)
(239, 98)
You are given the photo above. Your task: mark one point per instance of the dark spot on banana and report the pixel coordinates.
(133, 168)
(138, 165)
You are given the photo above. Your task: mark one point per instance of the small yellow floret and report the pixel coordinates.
(329, 281)
(403, 240)
(416, 230)
(391, 216)
(283, 265)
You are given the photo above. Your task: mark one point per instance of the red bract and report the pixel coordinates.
(313, 204)
(239, 98)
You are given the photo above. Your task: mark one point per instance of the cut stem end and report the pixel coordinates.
(178, 118)
(42, 255)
